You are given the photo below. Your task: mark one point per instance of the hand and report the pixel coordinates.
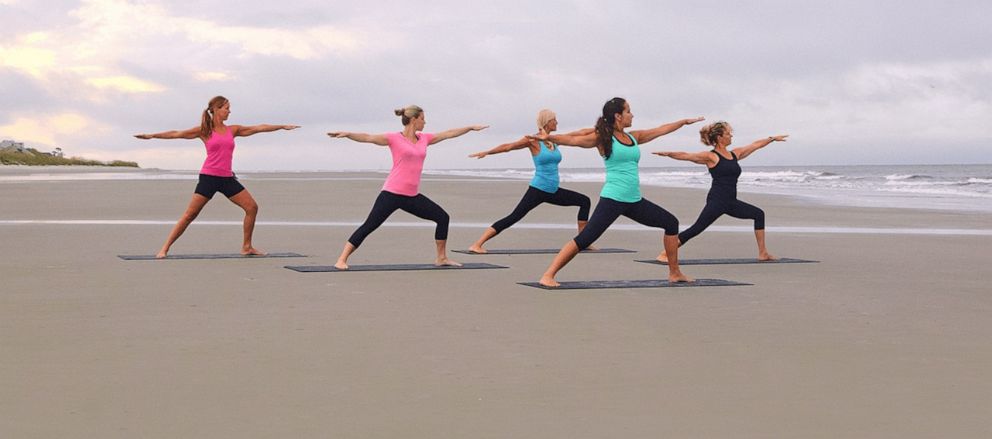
(143, 136)
(479, 155)
(290, 127)
(662, 153)
(337, 134)
(694, 120)
(478, 127)
(779, 138)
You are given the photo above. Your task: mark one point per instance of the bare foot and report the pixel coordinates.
(446, 262)
(679, 277)
(341, 265)
(161, 254)
(767, 257)
(663, 258)
(592, 248)
(549, 282)
(252, 251)
(478, 249)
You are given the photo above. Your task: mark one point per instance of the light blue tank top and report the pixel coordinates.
(623, 183)
(546, 169)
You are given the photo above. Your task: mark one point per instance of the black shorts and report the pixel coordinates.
(211, 184)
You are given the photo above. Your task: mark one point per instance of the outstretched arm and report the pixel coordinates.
(645, 136)
(378, 139)
(702, 157)
(191, 133)
(452, 133)
(581, 140)
(581, 132)
(245, 131)
(506, 147)
(745, 151)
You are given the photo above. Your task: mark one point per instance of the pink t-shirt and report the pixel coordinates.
(220, 154)
(408, 163)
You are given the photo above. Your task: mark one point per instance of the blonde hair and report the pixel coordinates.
(543, 117)
(207, 122)
(710, 133)
(408, 113)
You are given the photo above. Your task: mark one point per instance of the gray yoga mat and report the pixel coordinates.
(541, 251)
(729, 261)
(389, 267)
(211, 256)
(647, 283)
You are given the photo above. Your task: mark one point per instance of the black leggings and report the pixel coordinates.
(643, 211)
(715, 209)
(534, 196)
(387, 203)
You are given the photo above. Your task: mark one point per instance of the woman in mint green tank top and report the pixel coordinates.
(544, 187)
(621, 194)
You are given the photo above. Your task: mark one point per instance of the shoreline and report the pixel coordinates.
(825, 197)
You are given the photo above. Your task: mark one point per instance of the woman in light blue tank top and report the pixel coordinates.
(544, 186)
(621, 193)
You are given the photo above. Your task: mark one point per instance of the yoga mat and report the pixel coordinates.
(541, 251)
(211, 256)
(729, 261)
(389, 267)
(647, 283)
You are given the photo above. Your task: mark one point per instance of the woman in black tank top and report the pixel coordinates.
(725, 169)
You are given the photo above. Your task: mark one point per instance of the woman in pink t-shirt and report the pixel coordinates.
(401, 190)
(216, 175)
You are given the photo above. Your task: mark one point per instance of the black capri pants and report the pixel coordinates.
(534, 197)
(608, 210)
(387, 203)
(715, 209)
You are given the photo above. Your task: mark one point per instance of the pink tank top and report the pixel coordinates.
(220, 153)
(408, 163)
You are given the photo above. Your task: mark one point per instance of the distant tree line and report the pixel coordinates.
(33, 157)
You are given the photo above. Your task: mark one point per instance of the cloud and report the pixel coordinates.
(25, 56)
(766, 66)
(211, 76)
(52, 130)
(126, 84)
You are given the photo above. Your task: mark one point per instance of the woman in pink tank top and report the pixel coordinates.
(402, 187)
(217, 175)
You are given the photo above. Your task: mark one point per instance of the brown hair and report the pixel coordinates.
(207, 123)
(709, 133)
(605, 123)
(408, 113)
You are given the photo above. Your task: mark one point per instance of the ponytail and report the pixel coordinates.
(543, 117)
(207, 122)
(605, 124)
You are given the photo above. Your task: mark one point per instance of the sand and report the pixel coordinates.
(888, 336)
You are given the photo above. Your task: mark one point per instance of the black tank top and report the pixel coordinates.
(725, 175)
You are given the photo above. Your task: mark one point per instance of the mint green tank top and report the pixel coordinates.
(623, 183)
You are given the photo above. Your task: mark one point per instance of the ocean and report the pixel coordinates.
(942, 187)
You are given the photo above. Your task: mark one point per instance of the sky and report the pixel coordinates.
(852, 82)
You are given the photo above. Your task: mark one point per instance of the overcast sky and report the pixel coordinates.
(853, 82)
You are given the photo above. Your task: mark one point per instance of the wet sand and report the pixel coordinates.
(888, 336)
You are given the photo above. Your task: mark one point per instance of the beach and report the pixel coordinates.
(888, 335)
